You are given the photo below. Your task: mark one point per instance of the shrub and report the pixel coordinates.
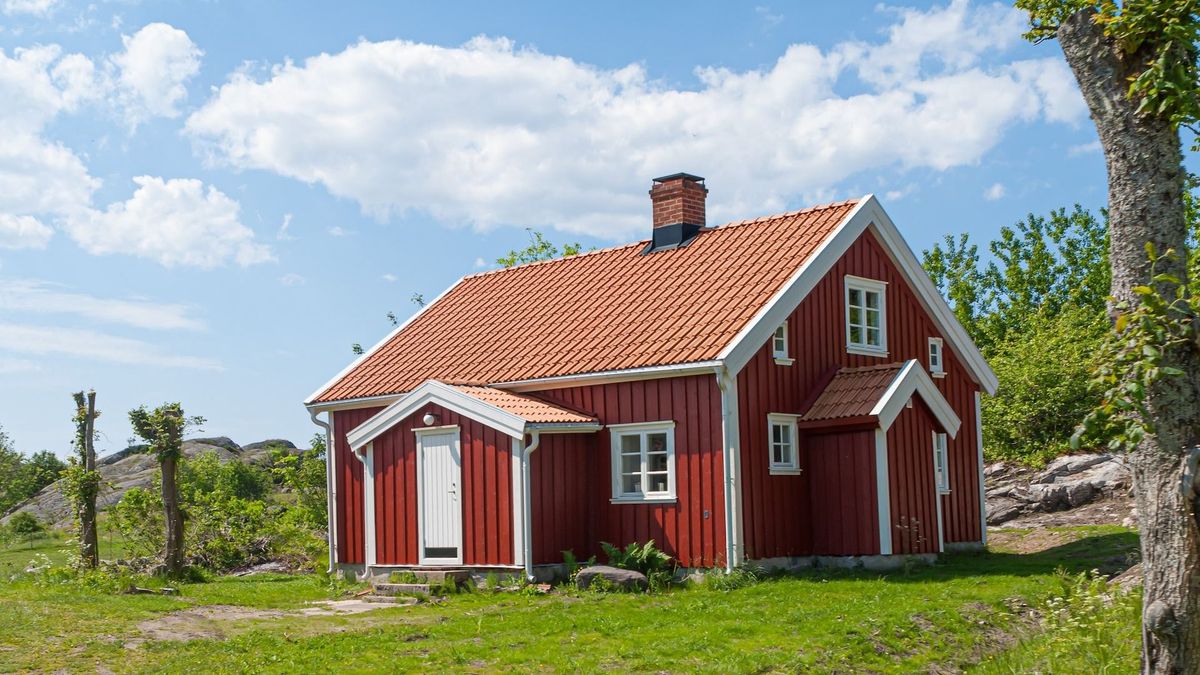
(644, 558)
(25, 525)
(138, 517)
(740, 577)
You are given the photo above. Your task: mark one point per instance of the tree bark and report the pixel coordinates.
(89, 545)
(1145, 201)
(173, 552)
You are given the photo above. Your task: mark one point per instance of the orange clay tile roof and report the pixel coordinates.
(529, 408)
(853, 392)
(605, 310)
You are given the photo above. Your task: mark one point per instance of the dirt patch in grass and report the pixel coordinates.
(211, 622)
(1013, 540)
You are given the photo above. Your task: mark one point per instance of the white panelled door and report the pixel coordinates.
(440, 497)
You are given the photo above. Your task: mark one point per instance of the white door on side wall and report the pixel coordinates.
(439, 496)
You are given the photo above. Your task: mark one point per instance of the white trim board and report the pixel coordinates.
(911, 379)
(432, 391)
(883, 492)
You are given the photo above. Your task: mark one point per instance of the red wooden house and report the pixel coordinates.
(780, 389)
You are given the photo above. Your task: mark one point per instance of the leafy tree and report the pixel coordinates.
(24, 476)
(83, 480)
(163, 429)
(303, 475)
(1136, 65)
(539, 248)
(41, 469)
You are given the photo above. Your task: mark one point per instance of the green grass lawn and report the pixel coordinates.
(15, 556)
(950, 615)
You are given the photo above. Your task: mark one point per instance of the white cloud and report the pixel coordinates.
(769, 18)
(174, 222)
(34, 296)
(92, 345)
(291, 279)
(23, 232)
(390, 278)
(337, 231)
(282, 234)
(153, 71)
(490, 134)
(1084, 149)
(10, 366)
(996, 191)
(480, 263)
(31, 7)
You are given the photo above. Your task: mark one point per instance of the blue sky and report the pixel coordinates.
(210, 202)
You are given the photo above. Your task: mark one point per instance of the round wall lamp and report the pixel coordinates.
(429, 419)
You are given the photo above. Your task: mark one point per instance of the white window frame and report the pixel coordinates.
(941, 462)
(643, 429)
(937, 369)
(779, 345)
(866, 286)
(789, 422)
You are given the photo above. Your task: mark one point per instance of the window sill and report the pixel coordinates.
(785, 472)
(783, 361)
(938, 375)
(865, 351)
(943, 491)
(644, 500)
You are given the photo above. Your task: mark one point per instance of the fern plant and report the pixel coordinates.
(644, 558)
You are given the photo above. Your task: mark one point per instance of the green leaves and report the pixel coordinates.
(163, 428)
(539, 249)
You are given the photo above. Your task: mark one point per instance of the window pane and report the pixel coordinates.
(658, 482)
(657, 442)
(631, 443)
(785, 434)
(872, 300)
(631, 484)
(856, 335)
(872, 318)
(657, 462)
(631, 463)
(873, 337)
(855, 297)
(855, 316)
(781, 331)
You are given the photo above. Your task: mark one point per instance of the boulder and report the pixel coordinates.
(1079, 493)
(1003, 511)
(1068, 465)
(628, 580)
(1048, 496)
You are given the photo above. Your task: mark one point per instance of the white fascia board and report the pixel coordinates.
(932, 300)
(432, 391)
(755, 333)
(609, 376)
(563, 427)
(396, 331)
(352, 403)
(912, 379)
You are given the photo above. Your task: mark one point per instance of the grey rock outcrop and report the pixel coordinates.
(1068, 482)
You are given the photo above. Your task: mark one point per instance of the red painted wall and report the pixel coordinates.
(486, 489)
(817, 342)
(572, 479)
(349, 480)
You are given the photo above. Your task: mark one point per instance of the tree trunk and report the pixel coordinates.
(1145, 201)
(89, 545)
(173, 552)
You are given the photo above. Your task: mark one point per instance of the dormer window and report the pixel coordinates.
(779, 345)
(935, 357)
(866, 316)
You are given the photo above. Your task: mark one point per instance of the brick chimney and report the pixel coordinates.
(678, 204)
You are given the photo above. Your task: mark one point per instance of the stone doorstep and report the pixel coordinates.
(399, 589)
(390, 599)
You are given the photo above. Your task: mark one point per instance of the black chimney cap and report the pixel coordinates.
(674, 176)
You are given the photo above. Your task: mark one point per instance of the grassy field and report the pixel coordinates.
(15, 556)
(967, 609)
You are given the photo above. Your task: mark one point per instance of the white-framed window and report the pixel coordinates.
(866, 316)
(779, 342)
(643, 461)
(782, 444)
(941, 462)
(935, 356)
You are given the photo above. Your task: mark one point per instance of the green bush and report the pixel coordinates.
(644, 558)
(138, 517)
(25, 524)
(1044, 373)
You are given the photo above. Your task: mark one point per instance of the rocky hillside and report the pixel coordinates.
(1071, 490)
(130, 468)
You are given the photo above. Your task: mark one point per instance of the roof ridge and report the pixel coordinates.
(642, 242)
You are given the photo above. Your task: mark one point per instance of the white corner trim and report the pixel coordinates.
(911, 379)
(883, 492)
(731, 453)
(369, 508)
(432, 391)
(979, 468)
(518, 502)
(365, 355)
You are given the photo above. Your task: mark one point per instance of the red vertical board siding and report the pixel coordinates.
(572, 479)
(783, 515)
(842, 493)
(349, 479)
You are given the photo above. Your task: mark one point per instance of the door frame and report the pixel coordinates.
(456, 454)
